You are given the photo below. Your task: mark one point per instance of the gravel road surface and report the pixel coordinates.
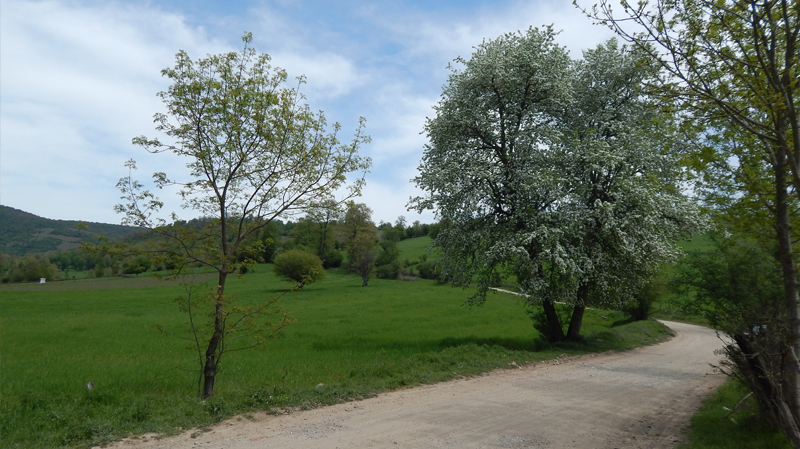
(636, 399)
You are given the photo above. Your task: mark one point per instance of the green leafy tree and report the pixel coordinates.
(30, 268)
(624, 210)
(360, 237)
(737, 286)
(733, 67)
(300, 266)
(6, 263)
(315, 232)
(389, 252)
(99, 270)
(549, 170)
(136, 265)
(255, 152)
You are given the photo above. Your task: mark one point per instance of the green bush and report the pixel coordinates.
(332, 259)
(428, 269)
(389, 253)
(639, 308)
(140, 264)
(299, 266)
(390, 270)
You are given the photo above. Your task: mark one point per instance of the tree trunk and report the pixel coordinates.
(783, 230)
(366, 280)
(554, 330)
(574, 330)
(211, 358)
(766, 388)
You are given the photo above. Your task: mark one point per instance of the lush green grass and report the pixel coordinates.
(414, 250)
(712, 427)
(353, 341)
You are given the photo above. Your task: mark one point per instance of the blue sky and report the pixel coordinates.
(78, 80)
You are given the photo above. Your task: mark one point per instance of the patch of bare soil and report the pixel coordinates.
(636, 399)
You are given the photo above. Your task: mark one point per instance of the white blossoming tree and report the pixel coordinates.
(557, 172)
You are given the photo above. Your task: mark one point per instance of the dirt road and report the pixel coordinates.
(637, 399)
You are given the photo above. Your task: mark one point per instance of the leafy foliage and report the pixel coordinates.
(299, 266)
(733, 66)
(738, 287)
(559, 173)
(315, 232)
(360, 237)
(30, 268)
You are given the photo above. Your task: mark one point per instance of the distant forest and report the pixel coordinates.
(23, 233)
(33, 247)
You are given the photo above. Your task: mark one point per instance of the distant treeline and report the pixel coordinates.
(306, 234)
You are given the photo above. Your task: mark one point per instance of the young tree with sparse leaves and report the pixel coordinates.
(360, 238)
(255, 151)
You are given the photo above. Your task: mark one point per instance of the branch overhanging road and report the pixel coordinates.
(641, 398)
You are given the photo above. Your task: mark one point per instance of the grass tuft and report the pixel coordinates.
(715, 427)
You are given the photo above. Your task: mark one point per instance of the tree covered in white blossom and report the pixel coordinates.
(558, 174)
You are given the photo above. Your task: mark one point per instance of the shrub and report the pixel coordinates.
(639, 308)
(299, 266)
(390, 270)
(428, 270)
(333, 259)
(139, 264)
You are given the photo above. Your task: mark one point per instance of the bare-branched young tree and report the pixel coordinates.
(255, 151)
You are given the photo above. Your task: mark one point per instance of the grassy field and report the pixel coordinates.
(348, 342)
(412, 251)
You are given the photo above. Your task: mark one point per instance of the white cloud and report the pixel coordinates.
(78, 84)
(329, 76)
(79, 81)
(388, 201)
(443, 38)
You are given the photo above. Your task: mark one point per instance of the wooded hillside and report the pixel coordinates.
(24, 233)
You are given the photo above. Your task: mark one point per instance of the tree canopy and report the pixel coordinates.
(555, 171)
(360, 237)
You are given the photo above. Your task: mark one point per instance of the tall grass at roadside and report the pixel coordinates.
(348, 343)
(712, 427)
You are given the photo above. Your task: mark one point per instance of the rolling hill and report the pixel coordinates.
(24, 233)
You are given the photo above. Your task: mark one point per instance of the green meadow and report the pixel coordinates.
(347, 343)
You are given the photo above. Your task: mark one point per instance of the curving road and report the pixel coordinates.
(635, 399)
